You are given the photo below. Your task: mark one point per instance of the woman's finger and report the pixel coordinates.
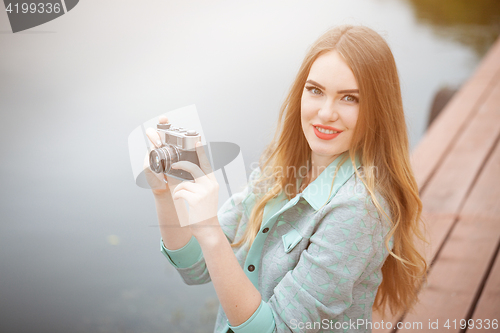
(183, 194)
(154, 137)
(204, 162)
(163, 119)
(192, 168)
(188, 186)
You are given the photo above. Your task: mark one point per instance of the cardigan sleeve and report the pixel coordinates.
(189, 260)
(346, 250)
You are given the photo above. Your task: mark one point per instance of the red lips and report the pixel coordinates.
(325, 136)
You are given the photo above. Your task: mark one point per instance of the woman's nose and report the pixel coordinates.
(328, 112)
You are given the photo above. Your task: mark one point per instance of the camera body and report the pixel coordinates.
(178, 144)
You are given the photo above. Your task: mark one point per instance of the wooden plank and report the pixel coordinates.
(488, 307)
(441, 135)
(439, 226)
(460, 269)
(447, 189)
(445, 193)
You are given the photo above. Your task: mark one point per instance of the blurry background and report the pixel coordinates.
(79, 245)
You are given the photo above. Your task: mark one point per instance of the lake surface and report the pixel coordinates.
(79, 245)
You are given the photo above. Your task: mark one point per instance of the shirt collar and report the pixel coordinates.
(320, 191)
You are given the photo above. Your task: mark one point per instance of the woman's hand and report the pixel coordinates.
(201, 195)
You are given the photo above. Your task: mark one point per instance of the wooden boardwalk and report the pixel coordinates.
(457, 166)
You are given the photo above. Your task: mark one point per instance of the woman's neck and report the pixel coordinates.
(318, 164)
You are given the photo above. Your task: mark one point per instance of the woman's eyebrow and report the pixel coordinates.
(349, 91)
(316, 84)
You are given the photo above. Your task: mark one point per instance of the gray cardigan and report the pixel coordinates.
(316, 260)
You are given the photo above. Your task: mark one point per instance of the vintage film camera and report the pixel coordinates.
(178, 144)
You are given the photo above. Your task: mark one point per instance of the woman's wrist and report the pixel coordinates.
(209, 235)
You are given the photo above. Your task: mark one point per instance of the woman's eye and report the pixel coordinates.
(350, 98)
(313, 90)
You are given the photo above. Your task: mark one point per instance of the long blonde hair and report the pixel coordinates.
(381, 139)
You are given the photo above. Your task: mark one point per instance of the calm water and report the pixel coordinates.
(79, 250)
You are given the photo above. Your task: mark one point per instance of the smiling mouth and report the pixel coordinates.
(326, 131)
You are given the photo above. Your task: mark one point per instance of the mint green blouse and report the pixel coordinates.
(316, 260)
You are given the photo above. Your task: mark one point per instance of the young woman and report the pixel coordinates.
(325, 230)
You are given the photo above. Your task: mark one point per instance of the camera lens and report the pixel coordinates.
(161, 159)
(156, 163)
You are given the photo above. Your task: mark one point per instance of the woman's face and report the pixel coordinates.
(329, 108)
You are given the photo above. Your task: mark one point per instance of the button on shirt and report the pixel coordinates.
(316, 260)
